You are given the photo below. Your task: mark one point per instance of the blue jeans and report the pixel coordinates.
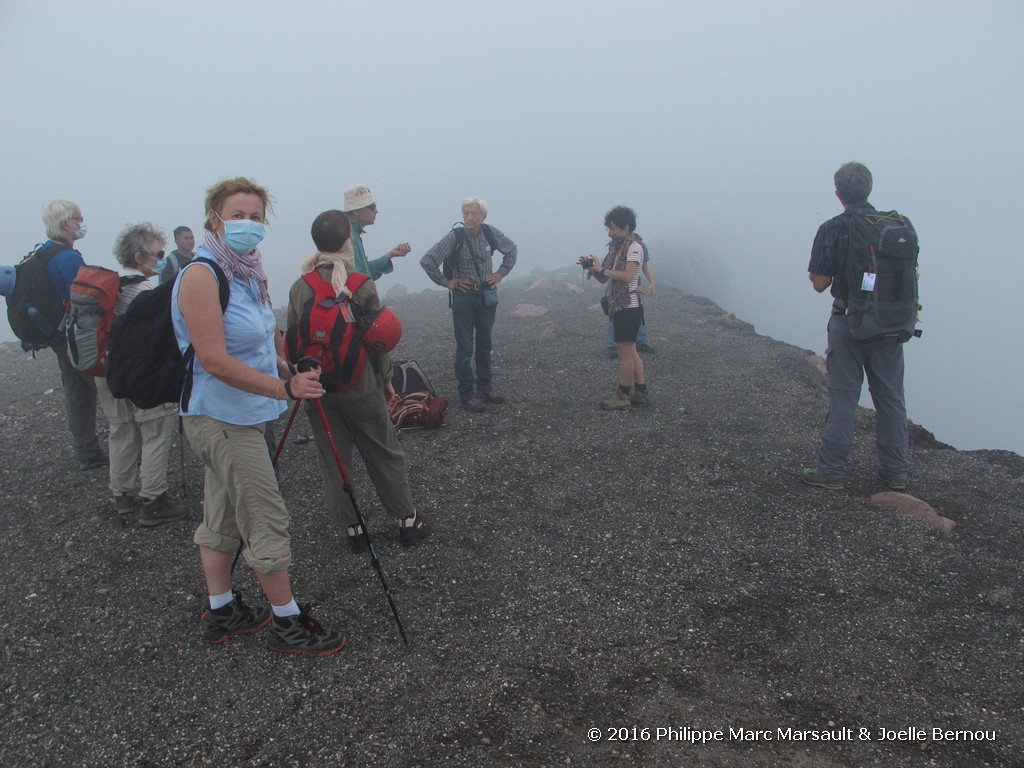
(471, 318)
(847, 361)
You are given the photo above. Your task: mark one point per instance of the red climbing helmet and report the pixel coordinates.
(384, 332)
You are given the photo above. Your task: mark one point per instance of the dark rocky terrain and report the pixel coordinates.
(653, 575)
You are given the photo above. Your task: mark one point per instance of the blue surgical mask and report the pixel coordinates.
(81, 231)
(242, 235)
(160, 266)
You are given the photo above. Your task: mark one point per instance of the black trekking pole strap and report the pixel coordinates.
(347, 485)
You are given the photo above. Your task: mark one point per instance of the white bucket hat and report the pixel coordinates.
(357, 196)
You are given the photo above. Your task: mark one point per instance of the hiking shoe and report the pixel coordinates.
(638, 398)
(304, 635)
(162, 509)
(646, 348)
(124, 504)
(491, 397)
(235, 618)
(474, 404)
(356, 541)
(815, 478)
(411, 535)
(613, 353)
(616, 402)
(894, 483)
(96, 462)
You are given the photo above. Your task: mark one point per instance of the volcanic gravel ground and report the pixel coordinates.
(661, 568)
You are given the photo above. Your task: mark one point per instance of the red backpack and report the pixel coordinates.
(93, 298)
(324, 333)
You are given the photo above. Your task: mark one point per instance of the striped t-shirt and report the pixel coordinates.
(130, 291)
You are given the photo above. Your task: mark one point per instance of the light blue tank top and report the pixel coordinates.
(249, 332)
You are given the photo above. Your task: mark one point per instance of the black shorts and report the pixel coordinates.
(626, 324)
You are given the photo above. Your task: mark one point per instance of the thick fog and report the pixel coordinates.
(721, 123)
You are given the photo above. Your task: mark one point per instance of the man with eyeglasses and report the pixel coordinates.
(361, 208)
(64, 226)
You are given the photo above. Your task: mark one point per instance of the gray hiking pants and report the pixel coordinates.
(80, 403)
(847, 361)
(365, 423)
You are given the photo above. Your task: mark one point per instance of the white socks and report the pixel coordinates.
(290, 608)
(219, 601)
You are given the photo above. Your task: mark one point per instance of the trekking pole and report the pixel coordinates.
(347, 486)
(287, 429)
(181, 457)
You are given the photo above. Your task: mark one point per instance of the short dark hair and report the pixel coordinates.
(621, 216)
(179, 230)
(853, 183)
(330, 231)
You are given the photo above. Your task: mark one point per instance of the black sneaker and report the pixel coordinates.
(356, 541)
(411, 535)
(645, 348)
(235, 618)
(303, 634)
(163, 509)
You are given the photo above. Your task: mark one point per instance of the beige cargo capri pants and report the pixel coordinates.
(241, 499)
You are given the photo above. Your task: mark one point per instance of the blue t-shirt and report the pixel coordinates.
(62, 268)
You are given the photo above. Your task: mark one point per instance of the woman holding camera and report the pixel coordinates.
(623, 266)
(236, 390)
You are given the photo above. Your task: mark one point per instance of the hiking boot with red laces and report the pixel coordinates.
(235, 618)
(412, 530)
(303, 635)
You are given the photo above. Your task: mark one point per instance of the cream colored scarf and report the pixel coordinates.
(343, 261)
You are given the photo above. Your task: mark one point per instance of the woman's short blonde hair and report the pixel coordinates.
(225, 188)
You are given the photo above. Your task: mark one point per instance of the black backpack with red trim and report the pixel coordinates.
(328, 332)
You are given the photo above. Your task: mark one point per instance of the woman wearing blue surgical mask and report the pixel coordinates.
(240, 382)
(140, 438)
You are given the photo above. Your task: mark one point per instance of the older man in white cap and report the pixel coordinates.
(361, 208)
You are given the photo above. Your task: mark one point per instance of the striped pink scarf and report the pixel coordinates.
(249, 267)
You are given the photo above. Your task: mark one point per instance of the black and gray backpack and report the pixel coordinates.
(881, 276)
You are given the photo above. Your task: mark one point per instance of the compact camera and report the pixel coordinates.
(588, 263)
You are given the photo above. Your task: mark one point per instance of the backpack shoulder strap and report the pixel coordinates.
(489, 234)
(127, 280)
(322, 288)
(356, 281)
(222, 281)
(460, 236)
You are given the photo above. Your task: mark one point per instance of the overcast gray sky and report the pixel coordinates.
(721, 123)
